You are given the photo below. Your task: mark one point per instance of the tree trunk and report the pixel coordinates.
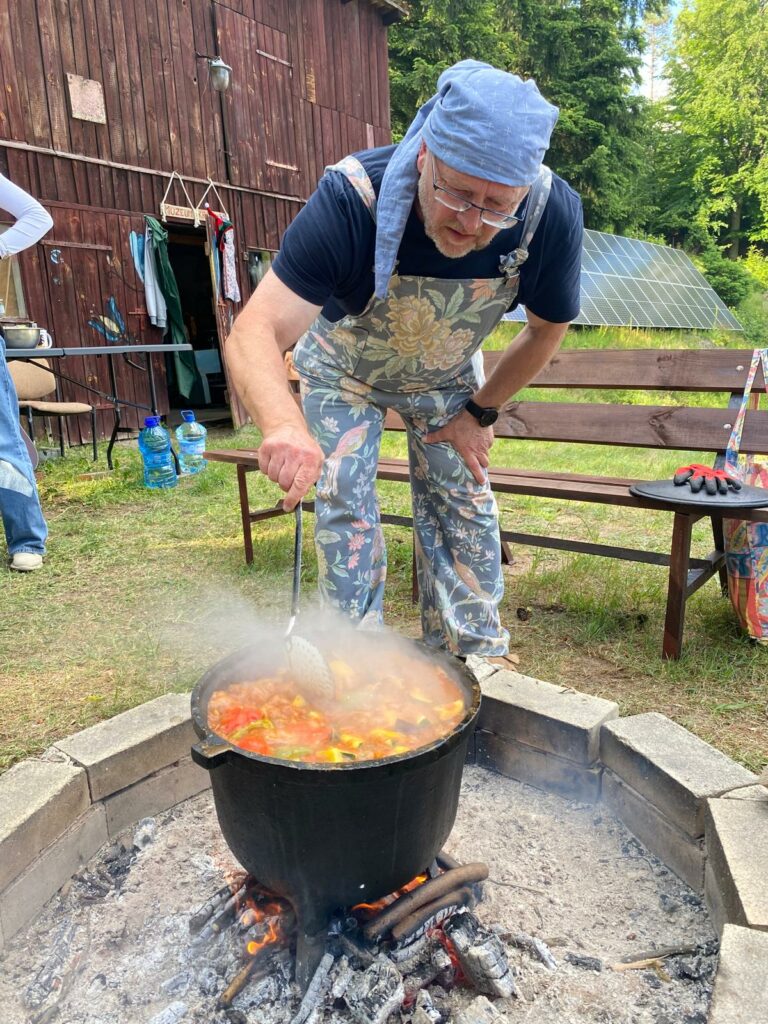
(734, 226)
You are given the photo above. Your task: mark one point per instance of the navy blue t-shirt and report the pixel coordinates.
(327, 253)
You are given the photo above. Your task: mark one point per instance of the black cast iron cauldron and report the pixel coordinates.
(327, 836)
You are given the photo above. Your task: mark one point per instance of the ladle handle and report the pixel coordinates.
(297, 546)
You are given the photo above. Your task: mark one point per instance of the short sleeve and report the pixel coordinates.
(551, 286)
(322, 249)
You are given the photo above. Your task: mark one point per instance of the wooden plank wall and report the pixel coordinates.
(309, 84)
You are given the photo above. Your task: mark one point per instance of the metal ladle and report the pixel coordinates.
(308, 667)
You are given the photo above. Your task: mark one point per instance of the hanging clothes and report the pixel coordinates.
(153, 293)
(137, 242)
(188, 381)
(226, 269)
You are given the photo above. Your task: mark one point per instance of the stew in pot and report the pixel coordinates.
(406, 705)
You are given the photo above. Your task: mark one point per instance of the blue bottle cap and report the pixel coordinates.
(151, 421)
(188, 415)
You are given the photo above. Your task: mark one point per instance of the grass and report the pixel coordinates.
(142, 591)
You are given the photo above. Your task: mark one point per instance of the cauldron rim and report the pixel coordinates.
(214, 749)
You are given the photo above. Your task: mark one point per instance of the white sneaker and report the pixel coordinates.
(24, 561)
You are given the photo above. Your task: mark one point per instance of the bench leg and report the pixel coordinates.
(679, 564)
(507, 558)
(719, 536)
(245, 514)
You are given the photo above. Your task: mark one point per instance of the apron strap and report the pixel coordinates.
(358, 178)
(537, 201)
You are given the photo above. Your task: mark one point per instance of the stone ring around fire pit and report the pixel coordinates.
(694, 808)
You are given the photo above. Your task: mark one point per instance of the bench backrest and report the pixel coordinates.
(677, 427)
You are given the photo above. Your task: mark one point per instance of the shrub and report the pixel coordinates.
(730, 278)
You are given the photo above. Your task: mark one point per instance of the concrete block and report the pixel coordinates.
(759, 793)
(537, 767)
(150, 796)
(542, 715)
(740, 994)
(27, 895)
(38, 801)
(669, 766)
(128, 747)
(713, 898)
(681, 853)
(737, 848)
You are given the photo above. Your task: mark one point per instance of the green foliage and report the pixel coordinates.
(729, 278)
(757, 265)
(718, 117)
(752, 314)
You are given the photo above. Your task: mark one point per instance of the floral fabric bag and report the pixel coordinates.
(746, 544)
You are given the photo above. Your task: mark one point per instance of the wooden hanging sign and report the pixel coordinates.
(188, 212)
(178, 212)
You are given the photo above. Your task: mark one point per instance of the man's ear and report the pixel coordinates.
(422, 157)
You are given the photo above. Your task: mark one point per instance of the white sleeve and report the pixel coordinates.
(32, 221)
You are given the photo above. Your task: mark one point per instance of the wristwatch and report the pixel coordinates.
(485, 416)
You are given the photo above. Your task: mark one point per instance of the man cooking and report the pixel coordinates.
(402, 262)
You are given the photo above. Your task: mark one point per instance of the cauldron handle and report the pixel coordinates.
(210, 752)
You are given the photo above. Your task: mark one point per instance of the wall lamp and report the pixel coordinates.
(218, 71)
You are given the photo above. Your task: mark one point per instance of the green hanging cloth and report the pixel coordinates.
(188, 381)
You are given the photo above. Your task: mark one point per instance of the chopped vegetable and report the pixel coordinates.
(376, 716)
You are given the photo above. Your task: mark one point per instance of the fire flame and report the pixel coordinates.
(273, 915)
(368, 910)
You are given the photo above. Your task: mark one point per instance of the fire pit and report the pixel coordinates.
(581, 912)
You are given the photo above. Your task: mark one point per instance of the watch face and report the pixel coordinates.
(488, 418)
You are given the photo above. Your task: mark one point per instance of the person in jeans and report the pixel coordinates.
(25, 529)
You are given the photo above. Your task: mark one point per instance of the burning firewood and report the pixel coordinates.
(430, 891)
(431, 914)
(481, 954)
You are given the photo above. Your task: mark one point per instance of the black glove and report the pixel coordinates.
(713, 481)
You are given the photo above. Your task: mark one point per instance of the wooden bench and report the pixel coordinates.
(664, 427)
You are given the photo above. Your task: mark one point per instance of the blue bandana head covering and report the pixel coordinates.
(483, 122)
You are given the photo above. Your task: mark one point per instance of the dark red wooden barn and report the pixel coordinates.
(101, 102)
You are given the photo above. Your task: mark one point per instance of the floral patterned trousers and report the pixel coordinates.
(458, 555)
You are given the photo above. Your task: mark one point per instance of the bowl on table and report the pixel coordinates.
(21, 336)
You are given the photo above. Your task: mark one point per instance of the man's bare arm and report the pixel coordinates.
(528, 354)
(521, 361)
(272, 321)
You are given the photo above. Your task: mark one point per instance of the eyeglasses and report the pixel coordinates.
(458, 204)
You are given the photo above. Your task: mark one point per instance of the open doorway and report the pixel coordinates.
(191, 267)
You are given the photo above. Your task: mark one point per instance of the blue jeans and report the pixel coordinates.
(25, 528)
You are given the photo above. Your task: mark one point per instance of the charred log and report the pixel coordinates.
(481, 954)
(535, 946)
(378, 926)
(376, 993)
(316, 990)
(432, 914)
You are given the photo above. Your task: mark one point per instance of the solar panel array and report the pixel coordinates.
(630, 283)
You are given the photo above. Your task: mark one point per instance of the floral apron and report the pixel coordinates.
(417, 352)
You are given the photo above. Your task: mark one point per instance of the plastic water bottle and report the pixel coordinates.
(191, 436)
(155, 448)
